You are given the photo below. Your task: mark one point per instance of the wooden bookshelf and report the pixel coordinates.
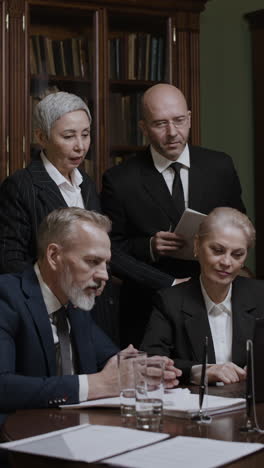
(108, 52)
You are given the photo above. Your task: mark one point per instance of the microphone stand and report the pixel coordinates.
(251, 422)
(202, 417)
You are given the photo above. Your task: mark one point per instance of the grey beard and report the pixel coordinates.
(81, 300)
(75, 294)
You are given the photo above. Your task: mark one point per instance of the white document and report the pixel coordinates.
(188, 226)
(113, 402)
(191, 452)
(183, 404)
(177, 402)
(87, 443)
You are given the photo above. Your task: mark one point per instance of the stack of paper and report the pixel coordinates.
(179, 403)
(184, 404)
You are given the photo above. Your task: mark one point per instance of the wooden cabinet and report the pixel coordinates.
(256, 21)
(109, 53)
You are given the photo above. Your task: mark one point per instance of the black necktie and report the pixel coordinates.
(177, 189)
(64, 361)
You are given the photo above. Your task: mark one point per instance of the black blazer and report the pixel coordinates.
(179, 323)
(137, 200)
(26, 197)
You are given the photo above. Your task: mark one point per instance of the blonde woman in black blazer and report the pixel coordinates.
(181, 320)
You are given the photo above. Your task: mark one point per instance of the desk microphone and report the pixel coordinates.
(202, 417)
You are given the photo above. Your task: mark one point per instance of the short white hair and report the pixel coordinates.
(54, 106)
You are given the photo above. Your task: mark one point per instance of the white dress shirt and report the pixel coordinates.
(70, 191)
(220, 320)
(52, 304)
(162, 165)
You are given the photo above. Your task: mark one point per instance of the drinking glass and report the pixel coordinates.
(149, 385)
(127, 380)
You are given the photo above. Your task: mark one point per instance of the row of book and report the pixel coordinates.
(124, 117)
(137, 56)
(71, 57)
(133, 56)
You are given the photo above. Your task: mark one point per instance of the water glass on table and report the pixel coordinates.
(125, 361)
(149, 384)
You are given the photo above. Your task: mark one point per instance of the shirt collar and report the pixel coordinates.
(225, 306)
(161, 163)
(57, 177)
(51, 302)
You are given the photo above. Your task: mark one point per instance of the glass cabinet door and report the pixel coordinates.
(137, 60)
(61, 58)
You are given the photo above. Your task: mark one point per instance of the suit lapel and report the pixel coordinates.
(243, 304)
(154, 184)
(37, 309)
(48, 191)
(197, 323)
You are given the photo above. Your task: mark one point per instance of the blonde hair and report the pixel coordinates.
(225, 216)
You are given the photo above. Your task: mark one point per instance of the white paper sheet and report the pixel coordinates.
(188, 227)
(191, 452)
(87, 443)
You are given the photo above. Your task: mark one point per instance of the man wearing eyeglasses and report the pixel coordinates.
(146, 196)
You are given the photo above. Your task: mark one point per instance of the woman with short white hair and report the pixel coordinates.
(52, 180)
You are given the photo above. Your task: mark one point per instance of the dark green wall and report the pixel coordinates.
(226, 87)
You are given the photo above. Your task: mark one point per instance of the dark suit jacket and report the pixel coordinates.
(28, 358)
(179, 323)
(139, 204)
(137, 200)
(26, 197)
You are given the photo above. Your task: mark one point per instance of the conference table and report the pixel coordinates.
(27, 423)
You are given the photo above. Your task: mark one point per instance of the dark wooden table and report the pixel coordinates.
(28, 423)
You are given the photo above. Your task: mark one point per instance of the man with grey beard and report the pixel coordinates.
(52, 352)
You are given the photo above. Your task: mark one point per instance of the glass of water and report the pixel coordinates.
(149, 385)
(127, 380)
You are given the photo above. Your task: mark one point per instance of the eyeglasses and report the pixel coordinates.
(177, 122)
